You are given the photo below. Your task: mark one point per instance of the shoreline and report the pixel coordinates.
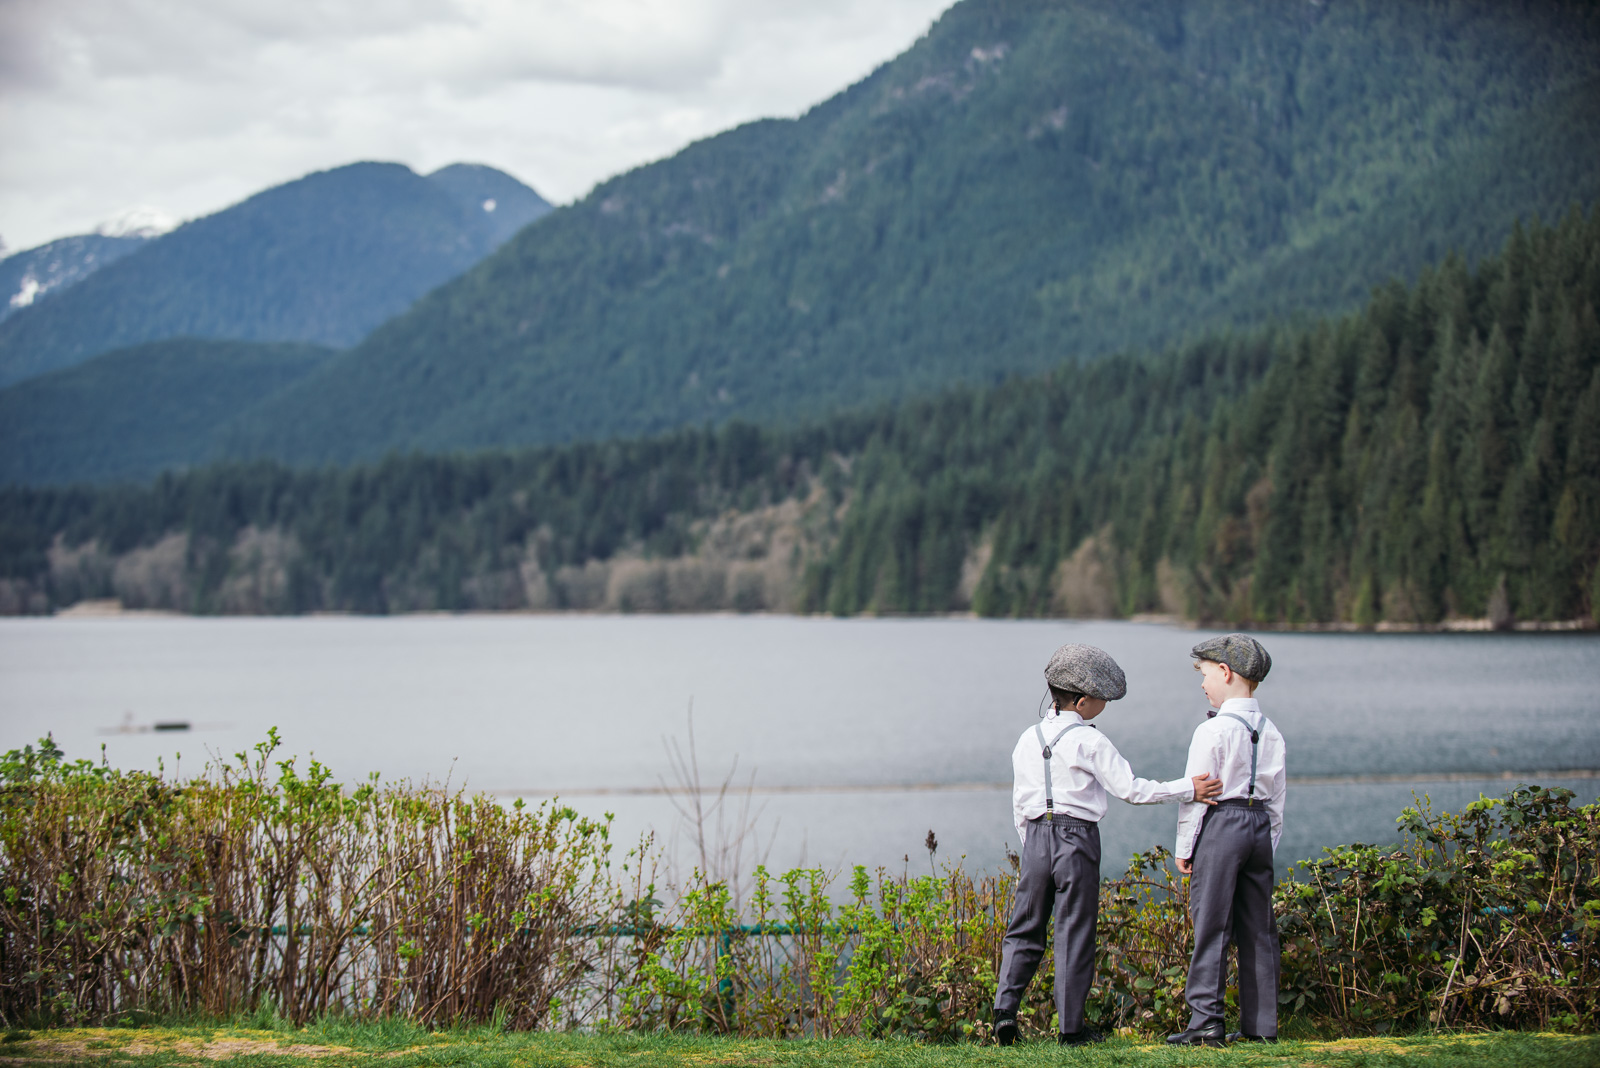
(111, 608)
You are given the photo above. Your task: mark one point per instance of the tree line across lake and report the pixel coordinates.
(1435, 455)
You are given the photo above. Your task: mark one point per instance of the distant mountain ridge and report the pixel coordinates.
(32, 274)
(1031, 181)
(322, 259)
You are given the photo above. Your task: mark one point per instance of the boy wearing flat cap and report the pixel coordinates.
(1227, 850)
(1064, 768)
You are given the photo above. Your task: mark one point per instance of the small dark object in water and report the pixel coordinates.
(173, 725)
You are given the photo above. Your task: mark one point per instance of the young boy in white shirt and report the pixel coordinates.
(1227, 850)
(1063, 769)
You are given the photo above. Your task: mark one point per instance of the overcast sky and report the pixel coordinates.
(192, 105)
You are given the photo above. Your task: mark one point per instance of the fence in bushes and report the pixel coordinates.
(259, 885)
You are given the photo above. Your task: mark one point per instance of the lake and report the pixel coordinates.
(861, 734)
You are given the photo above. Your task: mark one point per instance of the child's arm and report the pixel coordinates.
(1021, 789)
(1279, 787)
(1202, 760)
(1116, 775)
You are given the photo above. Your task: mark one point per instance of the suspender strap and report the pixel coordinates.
(1046, 749)
(1255, 745)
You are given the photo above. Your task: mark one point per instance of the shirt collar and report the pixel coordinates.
(1063, 718)
(1240, 704)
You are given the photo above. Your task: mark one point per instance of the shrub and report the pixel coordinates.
(1486, 918)
(245, 889)
(259, 887)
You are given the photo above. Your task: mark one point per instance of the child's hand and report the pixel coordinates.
(1206, 788)
(1185, 867)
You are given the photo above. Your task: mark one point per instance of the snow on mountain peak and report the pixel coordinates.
(142, 220)
(24, 296)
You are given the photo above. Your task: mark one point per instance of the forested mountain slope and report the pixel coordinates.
(1433, 456)
(324, 258)
(1031, 182)
(131, 413)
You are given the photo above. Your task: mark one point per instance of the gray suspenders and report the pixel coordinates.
(1049, 785)
(1255, 746)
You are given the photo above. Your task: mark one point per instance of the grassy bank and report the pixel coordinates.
(331, 1044)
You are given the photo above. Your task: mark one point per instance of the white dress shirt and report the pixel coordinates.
(1084, 768)
(1221, 747)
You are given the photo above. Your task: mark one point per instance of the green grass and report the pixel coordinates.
(335, 1043)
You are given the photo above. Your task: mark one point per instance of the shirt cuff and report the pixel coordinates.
(1180, 790)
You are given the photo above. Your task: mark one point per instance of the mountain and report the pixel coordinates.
(1432, 457)
(322, 259)
(1032, 181)
(34, 273)
(498, 203)
(134, 412)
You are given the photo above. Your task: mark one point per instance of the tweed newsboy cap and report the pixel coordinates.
(1246, 656)
(1086, 670)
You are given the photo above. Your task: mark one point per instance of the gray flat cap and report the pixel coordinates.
(1246, 656)
(1086, 670)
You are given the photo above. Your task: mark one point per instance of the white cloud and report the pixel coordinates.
(195, 104)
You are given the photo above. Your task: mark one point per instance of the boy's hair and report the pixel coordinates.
(1252, 683)
(1063, 698)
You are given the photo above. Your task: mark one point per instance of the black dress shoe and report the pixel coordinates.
(1084, 1037)
(1005, 1030)
(1209, 1035)
(1240, 1036)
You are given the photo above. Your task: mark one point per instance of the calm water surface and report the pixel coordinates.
(862, 734)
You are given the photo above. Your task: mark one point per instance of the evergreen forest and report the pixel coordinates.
(1432, 456)
(129, 413)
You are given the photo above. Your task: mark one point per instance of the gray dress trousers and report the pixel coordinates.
(1060, 880)
(1230, 899)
